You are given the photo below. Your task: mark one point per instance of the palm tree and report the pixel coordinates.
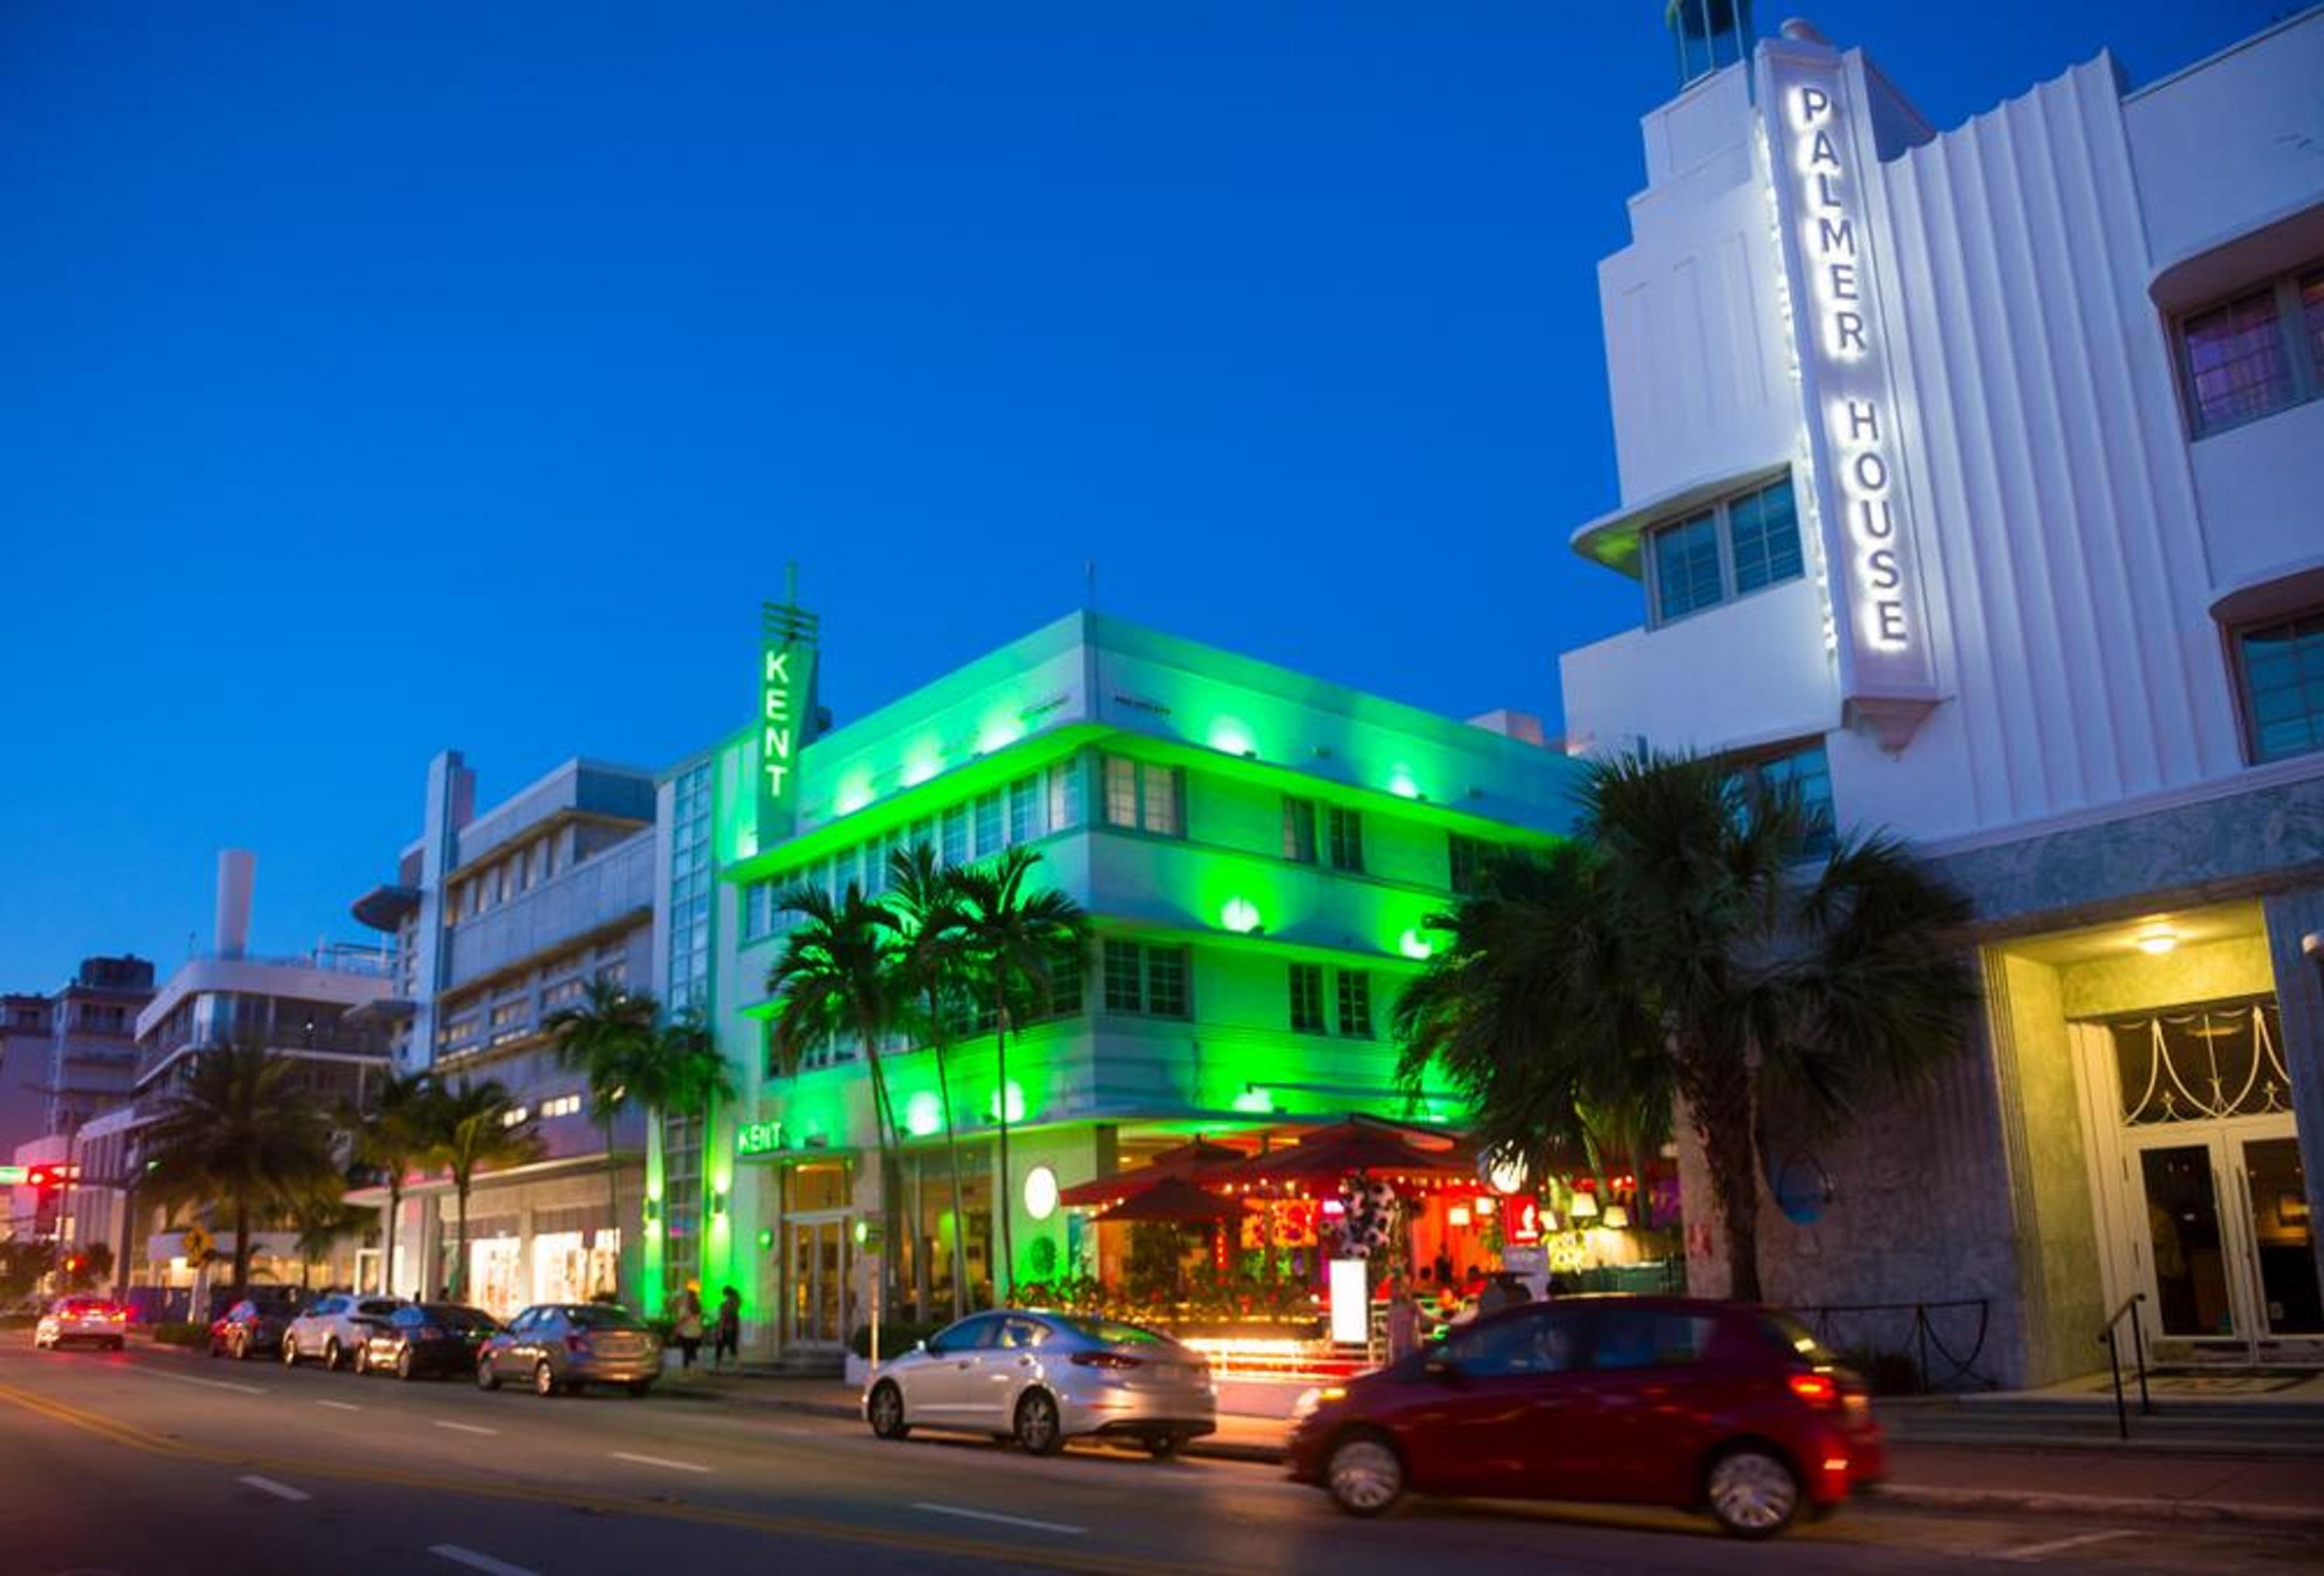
(1017, 941)
(610, 1038)
(322, 1222)
(930, 979)
(238, 1135)
(835, 979)
(687, 1074)
(388, 1137)
(1682, 946)
(473, 1132)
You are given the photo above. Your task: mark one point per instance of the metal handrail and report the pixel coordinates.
(2138, 1356)
(1961, 1370)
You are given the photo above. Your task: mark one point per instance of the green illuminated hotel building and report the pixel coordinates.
(1259, 851)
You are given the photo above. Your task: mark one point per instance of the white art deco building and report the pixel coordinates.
(1974, 478)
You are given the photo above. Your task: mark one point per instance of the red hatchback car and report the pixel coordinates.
(1641, 1400)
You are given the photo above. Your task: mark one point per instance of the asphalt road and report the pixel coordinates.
(155, 1462)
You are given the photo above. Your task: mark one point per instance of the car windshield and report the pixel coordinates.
(1114, 1332)
(1796, 1338)
(453, 1316)
(598, 1316)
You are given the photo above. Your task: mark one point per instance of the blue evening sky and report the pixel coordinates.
(384, 378)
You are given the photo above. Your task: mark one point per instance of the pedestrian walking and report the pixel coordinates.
(727, 1346)
(686, 1323)
(1403, 1325)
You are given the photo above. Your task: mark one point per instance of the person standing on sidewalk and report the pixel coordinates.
(727, 1341)
(686, 1323)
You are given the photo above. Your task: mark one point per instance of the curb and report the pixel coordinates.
(1212, 1449)
(2302, 1518)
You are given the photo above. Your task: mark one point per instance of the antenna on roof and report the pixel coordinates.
(790, 582)
(1089, 584)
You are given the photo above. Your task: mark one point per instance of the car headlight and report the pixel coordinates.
(1312, 1399)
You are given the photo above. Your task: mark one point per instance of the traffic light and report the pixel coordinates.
(55, 1175)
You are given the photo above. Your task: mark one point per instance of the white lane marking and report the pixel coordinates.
(340, 1405)
(279, 1491)
(476, 1562)
(464, 1427)
(623, 1455)
(2060, 1545)
(189, 1379)
(1003, 1520)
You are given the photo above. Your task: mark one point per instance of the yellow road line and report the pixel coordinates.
(576, 1498)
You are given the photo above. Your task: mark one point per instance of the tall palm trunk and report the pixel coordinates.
(1004, 1271)
(1716, 1081)
(613, 1207)
(387, 1250)
(241, 1250)
(460, 1249)
(883, 1127)
(951, 1157)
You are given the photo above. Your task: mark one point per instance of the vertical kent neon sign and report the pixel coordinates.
(1818, 169)
(787, 650)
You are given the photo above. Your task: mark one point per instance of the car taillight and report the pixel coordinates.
(577, 1344)
(1818, 1390)
(427, 1332)
(1114, 1360)
(117, 1316)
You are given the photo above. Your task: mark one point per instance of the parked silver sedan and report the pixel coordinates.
(563, 1346)
(1043, 1378)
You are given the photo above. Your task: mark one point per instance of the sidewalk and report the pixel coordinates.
(2285, 1491)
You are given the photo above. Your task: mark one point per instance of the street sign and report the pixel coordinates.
(13, 1175)
(196, 1244)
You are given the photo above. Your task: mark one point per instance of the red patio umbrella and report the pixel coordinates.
(1195, 1158)
(1382, 1149)
(1176, 1200)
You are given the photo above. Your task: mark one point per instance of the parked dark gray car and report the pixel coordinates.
(563, 1346)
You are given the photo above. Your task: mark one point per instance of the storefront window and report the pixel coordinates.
(2201, 1064)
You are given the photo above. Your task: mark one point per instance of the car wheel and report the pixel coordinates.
(1364, 1474)
(360, 1363)
(544, 1378)
(886, 1411)
(1039, 1428)
(404, 1366)
(1164, 1447)
(290, 1351)
(1753, 1491)
(331, 1355)
(486, 1378)
(640, 1388)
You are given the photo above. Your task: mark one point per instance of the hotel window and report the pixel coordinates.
(1346, 829)
(1739, 545)
(2281, 665)
(1299, 829)
(1307, 999)
(1064, 791)
(1355, 1003)
(1025, 809)
(2258, 353)
(1468, 857)
(1148, 980)
(955, 834)
(1145, 795)
(1808, 771)
(987, 810)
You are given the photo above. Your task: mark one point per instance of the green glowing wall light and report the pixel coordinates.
(924, 1114)
(1241, 916)
(766, 1239)
(1015, 1104)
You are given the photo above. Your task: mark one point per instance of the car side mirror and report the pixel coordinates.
(920, 1345)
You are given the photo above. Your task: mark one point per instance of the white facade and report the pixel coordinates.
(2071, 539)
(2019, 622)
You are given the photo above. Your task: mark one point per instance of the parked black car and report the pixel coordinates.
(252, 1327)
(426, 1338)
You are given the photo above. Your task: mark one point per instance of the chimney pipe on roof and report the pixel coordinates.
(237, 873)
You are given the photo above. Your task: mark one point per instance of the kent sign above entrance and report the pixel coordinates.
(1818, 153)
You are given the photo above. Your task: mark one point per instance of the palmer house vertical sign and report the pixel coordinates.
(1818, 163)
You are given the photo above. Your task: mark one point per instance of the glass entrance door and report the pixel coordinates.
(2275, 1201)
(2185, 1239)
(818, 1282)
(2229, 1249)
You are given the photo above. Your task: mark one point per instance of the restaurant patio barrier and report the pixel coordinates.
(1937, 1343)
